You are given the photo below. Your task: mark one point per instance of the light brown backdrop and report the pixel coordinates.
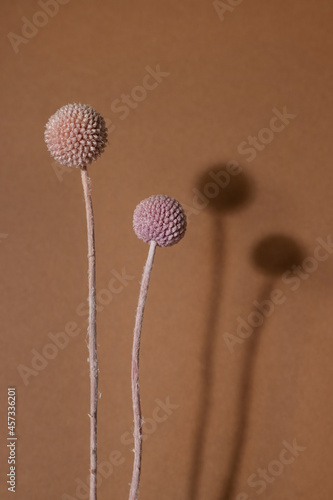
(225, 78)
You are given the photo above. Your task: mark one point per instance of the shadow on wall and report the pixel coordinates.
(277, 253)
(272, 256)
(227, 193)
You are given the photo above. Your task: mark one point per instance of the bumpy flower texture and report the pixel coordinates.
(76, 135)
(161, 219)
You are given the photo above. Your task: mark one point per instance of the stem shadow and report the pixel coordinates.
(224, 193)
(272, 256)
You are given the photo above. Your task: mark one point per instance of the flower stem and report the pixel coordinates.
(135, 373)
(92, 337)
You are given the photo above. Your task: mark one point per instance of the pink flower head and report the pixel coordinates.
(76, 135)
(159, 218)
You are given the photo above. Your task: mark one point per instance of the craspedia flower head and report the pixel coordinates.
(159, 218)
(76, 135)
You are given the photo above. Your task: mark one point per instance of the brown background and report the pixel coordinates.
(226, 77)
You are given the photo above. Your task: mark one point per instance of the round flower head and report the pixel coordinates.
(76, 135)
(159, 218)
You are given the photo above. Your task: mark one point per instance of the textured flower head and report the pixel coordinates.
(76, 135)
(159, 218)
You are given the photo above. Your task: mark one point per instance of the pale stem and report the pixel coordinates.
(134, 491)
(92, 337)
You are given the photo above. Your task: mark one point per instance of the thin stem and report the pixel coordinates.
(92, 342)
(134, 491)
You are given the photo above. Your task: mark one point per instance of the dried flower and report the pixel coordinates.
(76, 135)
(159, 218)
